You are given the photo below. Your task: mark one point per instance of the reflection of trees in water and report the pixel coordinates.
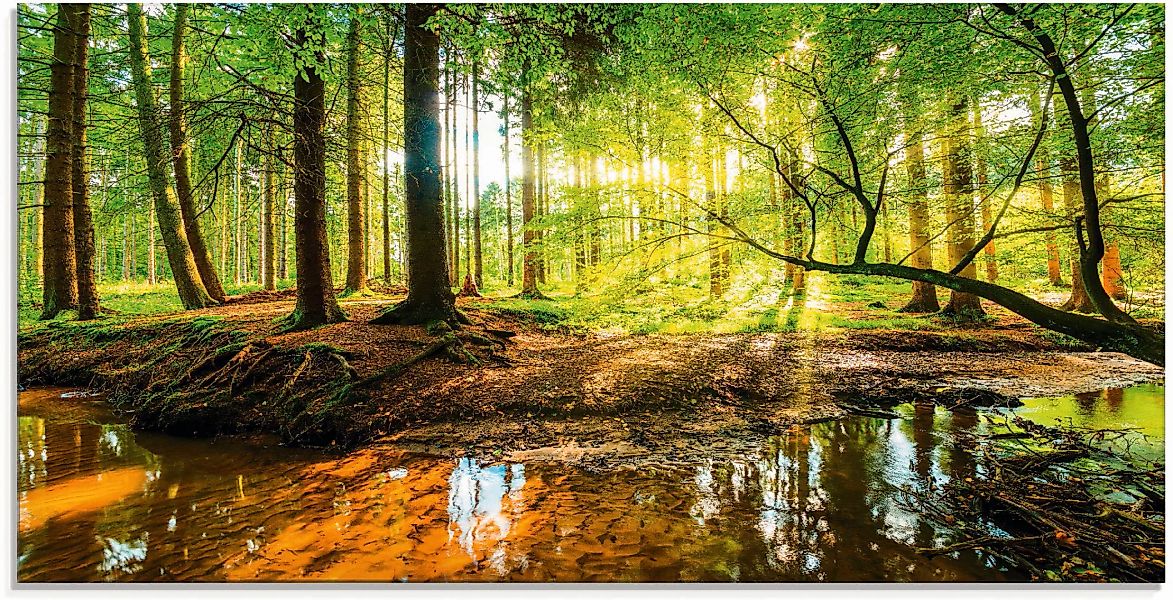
(477, 506)
(826, 503)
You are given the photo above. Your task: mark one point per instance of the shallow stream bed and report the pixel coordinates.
(822, 502)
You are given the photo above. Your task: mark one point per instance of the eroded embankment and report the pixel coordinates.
(515, 387)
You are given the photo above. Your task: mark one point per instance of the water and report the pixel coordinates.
(99, 502)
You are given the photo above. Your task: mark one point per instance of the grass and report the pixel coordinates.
(128, 299)
(678, 306)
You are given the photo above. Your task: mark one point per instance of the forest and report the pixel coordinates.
(590, 235)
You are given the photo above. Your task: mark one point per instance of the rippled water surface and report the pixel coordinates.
(99, 502)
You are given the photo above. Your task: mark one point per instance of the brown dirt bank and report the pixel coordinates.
(230, 370)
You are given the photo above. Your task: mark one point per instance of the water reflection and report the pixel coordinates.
(821, 503)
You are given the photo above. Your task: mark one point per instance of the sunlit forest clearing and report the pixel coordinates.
(710, 250)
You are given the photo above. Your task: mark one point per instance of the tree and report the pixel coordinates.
(958, 176)
(268, 200)
(530, 258)
(924, 294)
(356, 163)
(316, 303)
(83, 224)
(478, 261)
(1046, 193)
(429, 298)
(181, 158)
(60, 259)
(192, 292)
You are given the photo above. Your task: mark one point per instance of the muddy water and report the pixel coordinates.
(99, 502)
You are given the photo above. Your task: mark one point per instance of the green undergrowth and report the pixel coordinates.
(829, 303)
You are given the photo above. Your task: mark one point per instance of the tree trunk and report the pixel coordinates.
(356, 273)
(237, 258)
(958, 179)
(60, 258)
(429, 297)
(529, 268)
(83, 224)
(1046, 194)
(181, 159)
(924, 295)
(316, 304)
(183, 268)
(387, 167)
(151, 266)
(478, 268)
(283, 258)
(268, 197)
(539, 212)
(1114, 273)
(1079, 300)
(716, 283)
(984, 197)
(508, 194)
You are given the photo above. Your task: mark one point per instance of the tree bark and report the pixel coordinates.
(984, 198)
(529, 268)
(316, 304)
(83, 224)
(356, 273)
(478, 264)
(268, 200)
(508, 194)
(181, 158)
(958, 176)
(60, 258)
(924, 294)
(1046, 194)
(429, 297)
(192, 292)
(387, 167)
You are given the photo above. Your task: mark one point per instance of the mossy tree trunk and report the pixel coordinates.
(60, 259)
(316, 303)
(429, 298)
(356, 164)
(192, 292)
(181, 158)
(83, 224)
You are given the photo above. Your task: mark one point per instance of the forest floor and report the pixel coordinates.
(540, 387)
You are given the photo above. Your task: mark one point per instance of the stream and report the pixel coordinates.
(824, 502)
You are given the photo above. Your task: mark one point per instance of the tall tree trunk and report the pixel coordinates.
(181, 158)
(958, 176)
(268, 196)
(356, 273)
(529, 268)
(387, 167)
(183, 268)
(429, 297)
(478, 268)
(539, 212)
(716, 283)
(454, 183)
(283, 259)
(1046, 193)
(316, 304)
(506, 151)
(60, 258)
(984, 198)
(924, 295)
(237, 245)
(83, 224)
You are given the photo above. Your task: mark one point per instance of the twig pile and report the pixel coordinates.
(1058, 503)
